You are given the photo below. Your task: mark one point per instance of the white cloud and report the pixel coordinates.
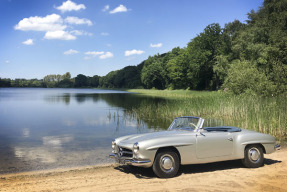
(71, 52)
(78, 21)
(106, 55)
(70, 6)
(7, 61)
(54, 26)
(78, 33)
(94, 53)
(51, 22)
(133, 52)
(105, 34)
(106, 8)
(28, 42)
(101, 54)
(62, 35)
(156, 45)
(120, 8)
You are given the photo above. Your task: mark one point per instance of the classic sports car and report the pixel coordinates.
(187, 142)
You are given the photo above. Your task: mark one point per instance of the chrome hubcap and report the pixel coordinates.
(254, 154)
(167, 163)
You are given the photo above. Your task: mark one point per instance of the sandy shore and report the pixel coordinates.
(223, 176)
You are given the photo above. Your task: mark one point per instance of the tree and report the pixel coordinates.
(94, 81)
(66, 76)
(244, 76)
(81, 81)
(154, 73)
(177, 68)
(202, 51)
(5, 82)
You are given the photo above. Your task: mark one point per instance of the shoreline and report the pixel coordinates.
(56, 170)
(221, 176)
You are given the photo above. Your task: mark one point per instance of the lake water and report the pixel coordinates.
(58, 128)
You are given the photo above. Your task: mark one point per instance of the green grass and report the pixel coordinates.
(266, 115)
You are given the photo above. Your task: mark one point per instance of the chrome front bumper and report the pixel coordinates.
(277, 147)
(134, 162)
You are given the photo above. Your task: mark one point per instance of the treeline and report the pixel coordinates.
(128, 77)
(239, 57)
(53, 81)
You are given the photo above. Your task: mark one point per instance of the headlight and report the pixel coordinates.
(136, 148)
(113, 146)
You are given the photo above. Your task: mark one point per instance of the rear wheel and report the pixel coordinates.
(253, 156)
(166, 164)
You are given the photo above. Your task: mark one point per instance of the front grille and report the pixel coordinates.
(123, 152)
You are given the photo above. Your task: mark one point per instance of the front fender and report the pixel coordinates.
(184, 145)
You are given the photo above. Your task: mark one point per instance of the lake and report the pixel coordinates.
(59, 128)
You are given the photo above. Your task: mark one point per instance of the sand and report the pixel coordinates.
(222, 176)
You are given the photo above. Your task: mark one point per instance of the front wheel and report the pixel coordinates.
(253, 156)
(166, 164)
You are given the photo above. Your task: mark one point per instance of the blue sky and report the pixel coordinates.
(94, 37)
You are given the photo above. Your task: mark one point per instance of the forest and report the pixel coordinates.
(239, 58)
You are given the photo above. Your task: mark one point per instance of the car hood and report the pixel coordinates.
(131, 139)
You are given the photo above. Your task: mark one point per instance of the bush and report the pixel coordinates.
(243, 76)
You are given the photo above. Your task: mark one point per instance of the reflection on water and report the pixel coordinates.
(52, 128)
(56, 141)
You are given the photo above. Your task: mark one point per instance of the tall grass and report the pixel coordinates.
(266, 115)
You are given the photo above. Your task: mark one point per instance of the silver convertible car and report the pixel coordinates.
(187, 142)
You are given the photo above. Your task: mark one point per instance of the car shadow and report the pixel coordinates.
(218, 166)
(147, 173)
(138, 172)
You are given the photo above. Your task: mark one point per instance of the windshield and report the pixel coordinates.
(185, 123)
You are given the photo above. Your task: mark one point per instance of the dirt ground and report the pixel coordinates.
(223, 176)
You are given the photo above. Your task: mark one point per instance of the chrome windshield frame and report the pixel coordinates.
(198, 126)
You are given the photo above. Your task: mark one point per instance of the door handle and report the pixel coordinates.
(230, 139)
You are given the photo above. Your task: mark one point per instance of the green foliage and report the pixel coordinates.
(61, 81)
(94, 81)
(177, 71)
(244, 76)
(5, 82)
(263, 43)
(66, 76)
(81, 81)
(52, 80)
(203, 51)
(154, 72)
(27, 83)
(128, 77)
(108, 80)
(65, 83)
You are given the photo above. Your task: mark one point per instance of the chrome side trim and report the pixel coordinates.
(277, 147)
(165, 145)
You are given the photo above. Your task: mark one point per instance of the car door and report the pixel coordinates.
(214, 144)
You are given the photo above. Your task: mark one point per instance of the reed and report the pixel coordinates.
(266, 115)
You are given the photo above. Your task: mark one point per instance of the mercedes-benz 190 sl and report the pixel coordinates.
(187, 142)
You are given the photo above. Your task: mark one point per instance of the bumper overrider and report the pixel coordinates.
(127, 161)
(277, 147)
